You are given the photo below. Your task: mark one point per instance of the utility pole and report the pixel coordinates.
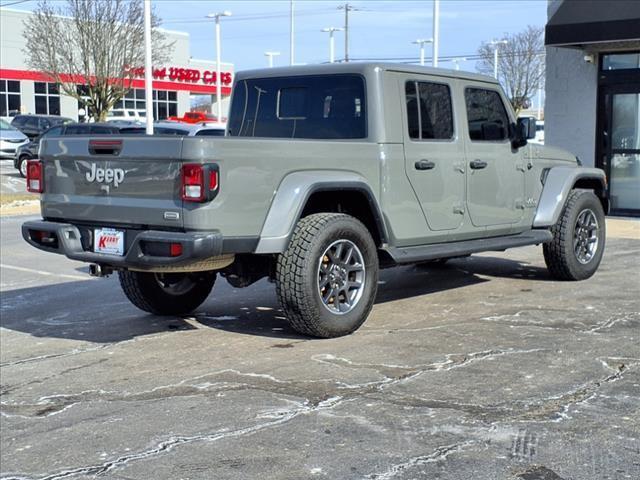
(148, 68)
(291, 34)
(332, 45)
(347, 8)
(436, 31)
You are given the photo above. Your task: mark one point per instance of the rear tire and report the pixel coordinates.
(169, 293)
(327, 278)
(22, 166)
(578, 238)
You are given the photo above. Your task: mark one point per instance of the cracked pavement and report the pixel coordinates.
(481, 369)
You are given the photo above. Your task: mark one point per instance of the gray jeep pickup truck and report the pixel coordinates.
(327, 174)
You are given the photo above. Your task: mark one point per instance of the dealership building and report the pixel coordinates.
(592, 105)
(175, 84)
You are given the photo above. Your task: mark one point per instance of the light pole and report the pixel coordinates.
(332, 45)
(495, 44)
(436, 31)
(148, 73)
(456, 62)
(217, 16)
(421, 42)
(270, 56)
(291, 34)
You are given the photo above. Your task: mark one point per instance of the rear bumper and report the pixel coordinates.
(76, 245)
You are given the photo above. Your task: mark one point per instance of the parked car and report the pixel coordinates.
(194, 117)
(539, 139)
(35, 125)
(127, 114)
(326, 174)
(30, 150)
(173, 128)
(10, 139)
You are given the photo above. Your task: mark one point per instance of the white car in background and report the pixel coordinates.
(129, 114)
(539, 132)
(10, 139)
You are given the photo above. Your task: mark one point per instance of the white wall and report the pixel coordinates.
(571, 102)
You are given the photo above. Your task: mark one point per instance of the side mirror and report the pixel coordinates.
(528, 126)
(522, 131)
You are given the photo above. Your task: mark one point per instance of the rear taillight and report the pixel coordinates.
(35, 176)
(200, 183)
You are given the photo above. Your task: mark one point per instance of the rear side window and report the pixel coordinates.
(53, 131)
(313, 107)
(211, 132)
(487, 117)
(102, 130)
(429, 111)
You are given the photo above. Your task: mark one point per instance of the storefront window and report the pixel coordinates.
(47, 98)
(165, 103)
(9, 97)
(621, 61)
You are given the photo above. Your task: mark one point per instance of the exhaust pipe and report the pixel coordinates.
(96, 270)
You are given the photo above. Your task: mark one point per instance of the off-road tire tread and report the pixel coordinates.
(134, 285)
(554, 251)
(290, 284)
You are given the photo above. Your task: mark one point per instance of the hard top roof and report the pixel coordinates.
(362, 68)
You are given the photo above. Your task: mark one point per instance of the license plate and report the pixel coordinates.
(108, 240)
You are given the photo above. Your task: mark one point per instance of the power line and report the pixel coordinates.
(15, 3)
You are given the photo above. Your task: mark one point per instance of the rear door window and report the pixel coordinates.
(486, 115)
(429, 111)
(312, 107)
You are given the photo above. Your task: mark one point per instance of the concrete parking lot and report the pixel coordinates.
(481, 369)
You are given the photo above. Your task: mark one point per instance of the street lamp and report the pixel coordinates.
(217, 16)
(456, 62)
(421, 42)
(332, 45)
(495, 44)
(148, 66)
(270, 56)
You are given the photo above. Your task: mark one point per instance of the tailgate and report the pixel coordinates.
(113, 180)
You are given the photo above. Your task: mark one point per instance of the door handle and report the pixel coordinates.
(478, 164)
(425, 165)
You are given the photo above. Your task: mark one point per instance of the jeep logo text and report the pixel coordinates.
(105, 175)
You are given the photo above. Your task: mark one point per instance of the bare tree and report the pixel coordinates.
(520, 65)
(95, 43)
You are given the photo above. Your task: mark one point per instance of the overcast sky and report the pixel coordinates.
(378, 29)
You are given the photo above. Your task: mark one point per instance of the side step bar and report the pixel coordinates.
(458, 249)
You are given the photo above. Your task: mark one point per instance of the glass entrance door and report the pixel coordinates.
(624, 157)
(618, 130)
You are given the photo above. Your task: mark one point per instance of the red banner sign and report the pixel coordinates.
(190, 75)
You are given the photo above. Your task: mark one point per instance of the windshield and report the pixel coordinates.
(4, 125)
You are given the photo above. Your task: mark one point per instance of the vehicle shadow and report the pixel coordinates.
(97, 310)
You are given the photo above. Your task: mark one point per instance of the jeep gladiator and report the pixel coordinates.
(327, 174)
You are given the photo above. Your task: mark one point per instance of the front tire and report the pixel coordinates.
(327, 278)
(578, 238)
(168, 293)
